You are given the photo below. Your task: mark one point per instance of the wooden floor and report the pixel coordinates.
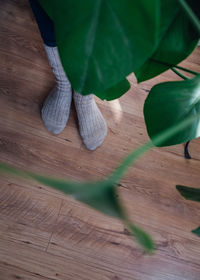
(46, 235)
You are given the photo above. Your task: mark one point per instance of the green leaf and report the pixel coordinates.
(196, 231)
(114, 92)
(100, 42)
(100, 195)
(189, 193)
(142, 237)
(178, 38)
(170, 103)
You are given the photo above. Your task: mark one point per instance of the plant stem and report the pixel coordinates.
(190, 14)
(175, 66)
(179, 74)
(129, 160)
(157, 140)
(186, 70)
(186, 152)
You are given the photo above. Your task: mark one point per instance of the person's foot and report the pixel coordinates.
(56, 108)
(92, 125)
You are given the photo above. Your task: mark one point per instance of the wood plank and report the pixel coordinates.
(27, 216)
(107, 244)
(47, 235)
(19, 263)
(72, 264)
(83, 227)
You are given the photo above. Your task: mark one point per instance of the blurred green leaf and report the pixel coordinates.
(178, 38)
(196, 231)
(101, 195)
(170, 103)
(189, 193)
(142, 237)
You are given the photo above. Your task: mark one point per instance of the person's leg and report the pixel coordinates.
(55, 111)
(45, 24)
(56, 108)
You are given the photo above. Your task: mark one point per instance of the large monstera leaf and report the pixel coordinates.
(100, 42)
(171, 103)
(178, 38)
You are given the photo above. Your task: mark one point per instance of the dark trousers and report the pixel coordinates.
(45, 24)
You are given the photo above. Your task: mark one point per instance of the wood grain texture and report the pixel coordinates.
(46, 235)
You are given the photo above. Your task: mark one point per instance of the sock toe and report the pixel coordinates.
(55, 111)
(92, 142)
(55, 129)
(92, 125)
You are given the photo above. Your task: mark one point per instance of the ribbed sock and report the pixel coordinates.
(56, 108)
(92, 125)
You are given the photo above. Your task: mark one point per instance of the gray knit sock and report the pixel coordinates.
(56, 108)
(92, 125)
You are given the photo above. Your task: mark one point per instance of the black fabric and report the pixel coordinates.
(45, 24)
